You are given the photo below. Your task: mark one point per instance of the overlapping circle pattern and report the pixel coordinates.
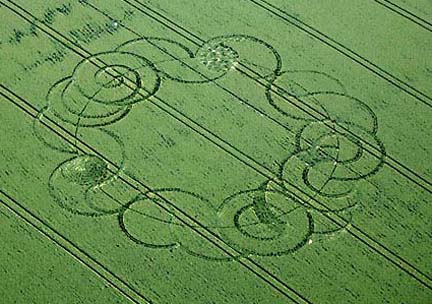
(328, 163)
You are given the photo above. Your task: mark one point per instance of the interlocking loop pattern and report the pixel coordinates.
(328, 163)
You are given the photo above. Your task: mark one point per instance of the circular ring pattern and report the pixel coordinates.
(326, 161)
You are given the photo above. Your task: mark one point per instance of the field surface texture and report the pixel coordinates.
(216, 152)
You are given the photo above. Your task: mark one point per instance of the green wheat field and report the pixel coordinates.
(229, 151)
